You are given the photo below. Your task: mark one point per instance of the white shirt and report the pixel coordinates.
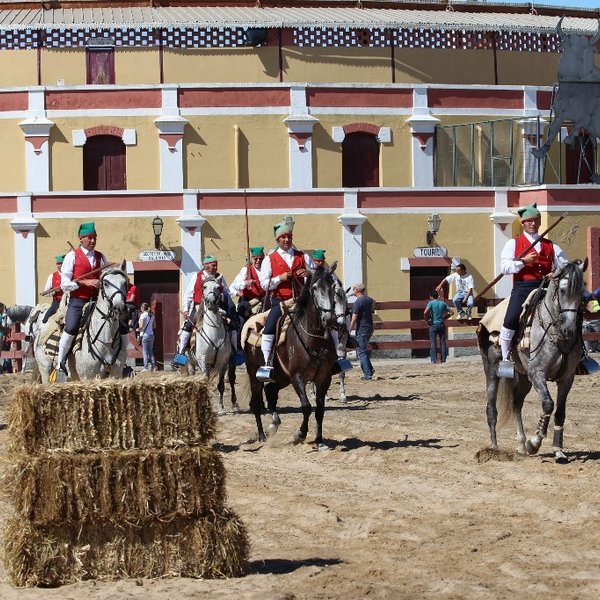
(48, 285)
(510, 266)
(239, 283)
(66, 272)
(270, 283)
(188, 295)
(146, 324)
(463, 283)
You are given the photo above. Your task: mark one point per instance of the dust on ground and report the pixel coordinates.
(402, 506)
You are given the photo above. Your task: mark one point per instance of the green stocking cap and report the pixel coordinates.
(528, 212)
(87, 229)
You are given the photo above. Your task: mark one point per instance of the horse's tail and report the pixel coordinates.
(504, 402)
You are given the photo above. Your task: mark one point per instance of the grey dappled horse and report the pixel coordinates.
(102, 352)
(308, 354)
(555, 349)
(213, 343)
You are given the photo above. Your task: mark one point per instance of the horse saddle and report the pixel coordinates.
(252, 330)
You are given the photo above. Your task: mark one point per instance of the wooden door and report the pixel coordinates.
(360, 160)
(422, 281)
(104, 163)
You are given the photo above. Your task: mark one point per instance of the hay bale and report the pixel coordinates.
(132, 486)
(137, 413)
(212, 546)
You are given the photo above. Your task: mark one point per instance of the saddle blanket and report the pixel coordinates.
(252, 329)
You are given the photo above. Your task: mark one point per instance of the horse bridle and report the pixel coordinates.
(110, 298)
(206, 315)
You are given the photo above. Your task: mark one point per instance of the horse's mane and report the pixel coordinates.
(575, 277)
(319, 274)
(19, 313)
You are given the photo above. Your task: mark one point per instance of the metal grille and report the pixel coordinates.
(498, 153)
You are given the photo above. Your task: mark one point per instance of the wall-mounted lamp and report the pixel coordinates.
(157, 227)
(433, 226)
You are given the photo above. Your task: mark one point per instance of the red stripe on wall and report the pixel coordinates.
(271, 201)
(544, 100)
(109, 203)
(466, 98)
(429, 199)
(563, 196)
(14, 101)
(357, 97)
(228, 97)
(92, 99)
(8, 204)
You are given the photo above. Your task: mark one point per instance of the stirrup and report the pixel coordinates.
(587, 366)
(506, 369)
(341, 365)
(62, 367)
(264, 374)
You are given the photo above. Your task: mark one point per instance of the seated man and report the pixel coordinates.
(53, 283)
(247, 284)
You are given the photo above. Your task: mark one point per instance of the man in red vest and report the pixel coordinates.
(53, 282)
(192, 297)
(528, 273)
(247, 286)
(283, 273)
(77, 265)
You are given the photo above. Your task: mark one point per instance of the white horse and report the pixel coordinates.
(213, 343)
(102, 352)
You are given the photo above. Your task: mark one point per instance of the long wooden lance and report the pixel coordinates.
(521, 255)
(84, 276)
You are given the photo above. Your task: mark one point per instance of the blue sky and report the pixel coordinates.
(570, 3)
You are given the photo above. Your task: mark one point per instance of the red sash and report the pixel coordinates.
(284, 290)
(56, 283)
(255, 290)
(80, 269)
(542, 266)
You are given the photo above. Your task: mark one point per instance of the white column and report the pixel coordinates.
(191, 223)
(423, 129)
(502, 219)
(300, 129)
(24, 226)
(352, 222)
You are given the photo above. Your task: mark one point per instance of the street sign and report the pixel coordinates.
(154, 255)
(430, 252)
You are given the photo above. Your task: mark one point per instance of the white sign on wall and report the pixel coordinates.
(430, 252)
(154, 255)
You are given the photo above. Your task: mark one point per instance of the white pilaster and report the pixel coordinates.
(24, 226)
(502, 219)
(352, 222)
(171, 152)
(191, 222)
(300, 129)
(422, 128)
(37, 153)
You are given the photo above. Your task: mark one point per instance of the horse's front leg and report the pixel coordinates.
(490, 364)
(564, 387)
(231, 378)
(221, 390)
(322, 388)
(343, 397)
(300, 388)
(521, 390)
(538, 380)
(272, 394)
(256, 406)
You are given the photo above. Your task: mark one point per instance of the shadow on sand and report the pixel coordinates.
(355, 443)
(281, 566)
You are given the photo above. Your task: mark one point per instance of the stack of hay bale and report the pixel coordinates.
(112, 479)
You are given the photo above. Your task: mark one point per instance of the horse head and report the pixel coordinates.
(340, 299)
(211, 293)
(566, 291)
(113, 290)
(319, 293)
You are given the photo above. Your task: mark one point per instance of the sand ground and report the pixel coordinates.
(400, 507)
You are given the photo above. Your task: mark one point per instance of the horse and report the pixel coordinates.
(307, 354)
(102, 352)
(213, 343)
(555, 349)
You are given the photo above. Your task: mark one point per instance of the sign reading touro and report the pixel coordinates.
(430, 252)
(153, 255)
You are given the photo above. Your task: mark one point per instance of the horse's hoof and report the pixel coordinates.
(221, 412)
(560, 457)
(343, 400)
(276, 420)
(235, 409)
(262, 437)
(272, 429)
(323, 447)
(299, 437)
(533, 445)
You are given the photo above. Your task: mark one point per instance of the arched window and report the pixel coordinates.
(360, 160)
(104, 163)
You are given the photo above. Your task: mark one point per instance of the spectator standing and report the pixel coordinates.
(132, 300)
(436, 313)
(146, 334)
(464, 291)
(361, 327)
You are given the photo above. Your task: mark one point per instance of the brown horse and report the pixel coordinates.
(307, 355)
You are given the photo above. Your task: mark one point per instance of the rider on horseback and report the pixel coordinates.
(76, 265)
(53, 282)
(528, 273)
(247, 286)
(192, 298)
